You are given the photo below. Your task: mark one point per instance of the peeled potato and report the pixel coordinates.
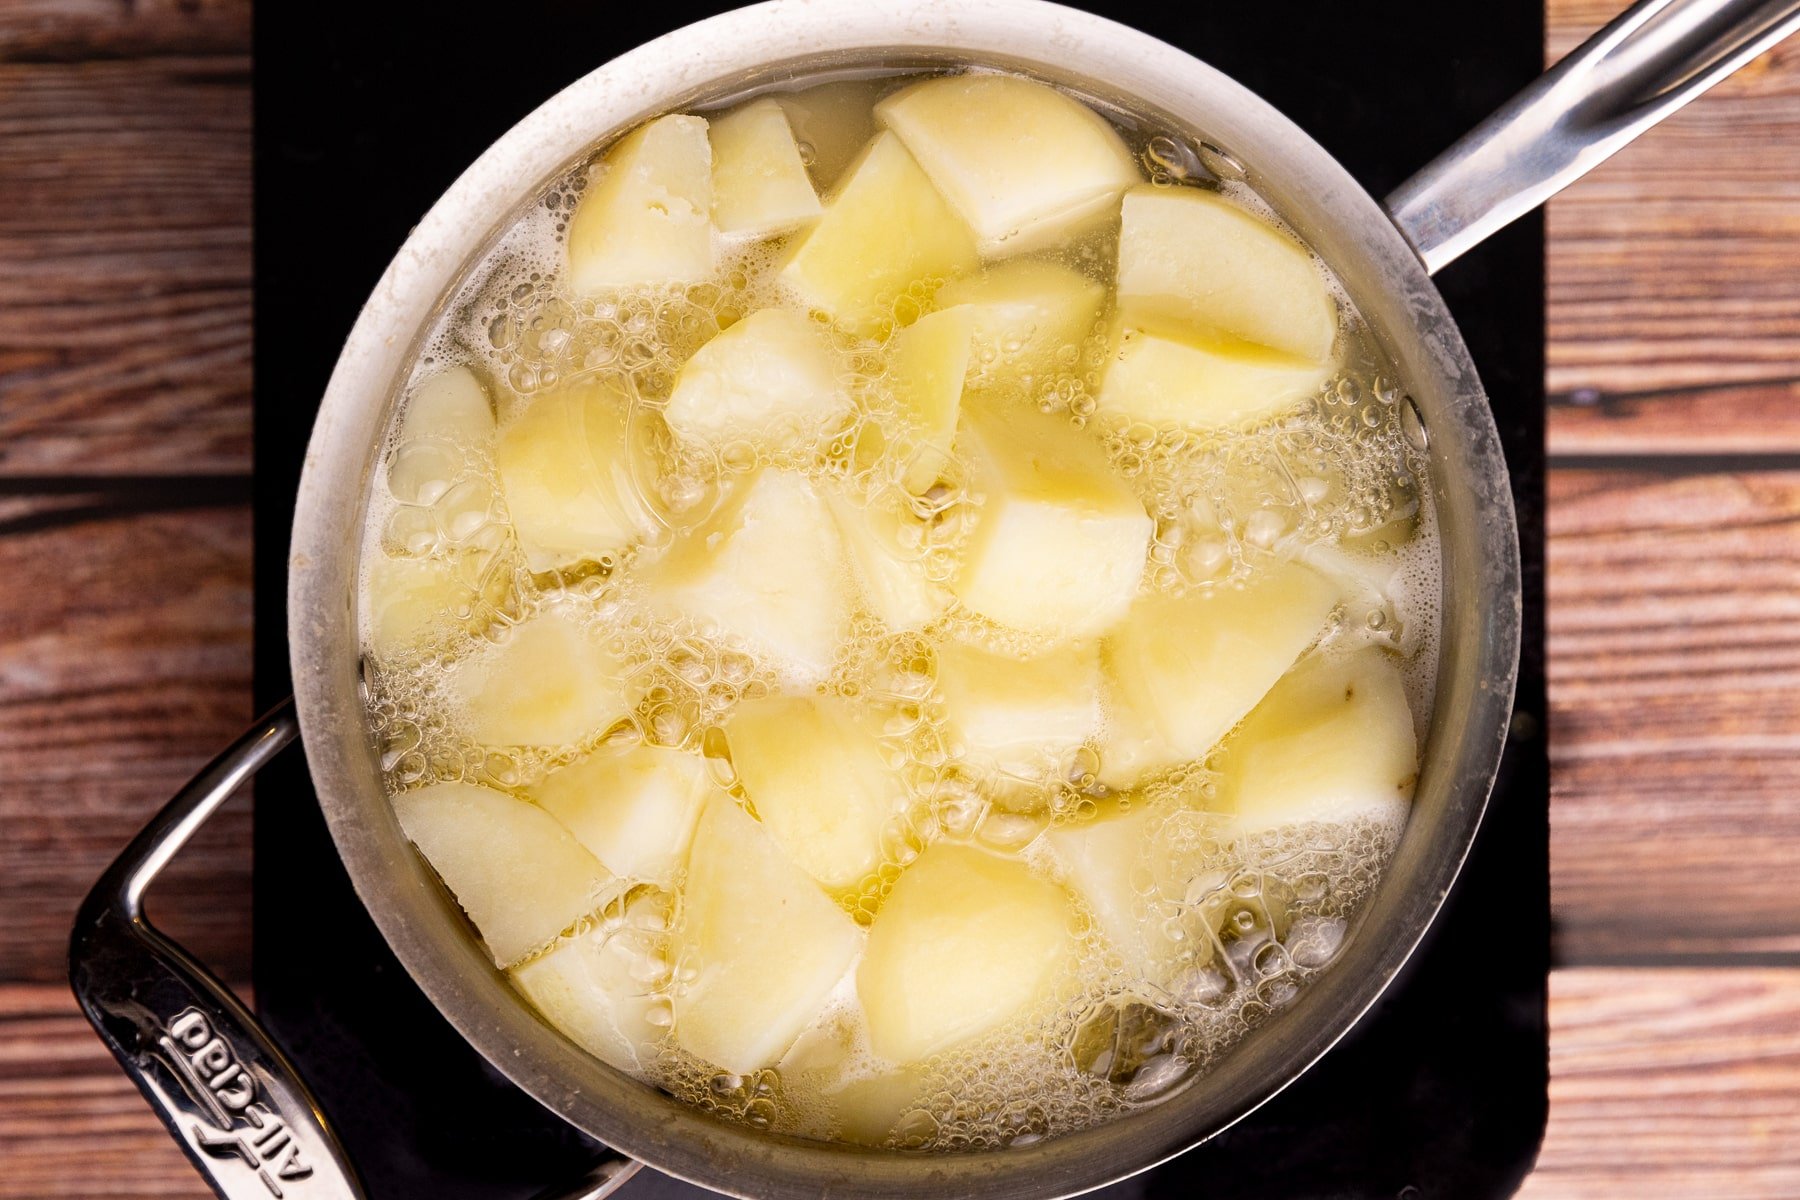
(1022, 716)
(770, 379)
(414, 602)
(567, 465)
(1371, 593)
(1107, 861)
(893, 583)
(593, 987)
(1022, 163)
(963, 942)
(1060, 543)
(633, 808)
(867, 1111)
(1202, 383)
(766, 946)
(759, 183)
(647, 217)
(819, 780)
(1131, 745)
(550, 683)
(451, 405)
(1026, 312)
(1190, 667)
(517, 873)
(448, 422)
(928, 364)
(1193, 260)
(1333, 741)
(767, 572)
(885, 228)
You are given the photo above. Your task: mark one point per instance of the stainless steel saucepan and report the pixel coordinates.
(233, 1101)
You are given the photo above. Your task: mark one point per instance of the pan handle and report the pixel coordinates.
(1654, 58)
(226, 1092)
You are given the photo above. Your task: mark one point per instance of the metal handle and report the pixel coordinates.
(225, 1091)
(1657, 56)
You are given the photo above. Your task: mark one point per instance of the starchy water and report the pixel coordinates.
(1217, 919)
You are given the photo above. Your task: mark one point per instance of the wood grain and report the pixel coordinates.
(1674, 276)
(55, 30)
(1748, 418)
(125, 234)
(124, 666)
(1672, 1085)
(1674, 271)
(71, 1123)
(1674, 650)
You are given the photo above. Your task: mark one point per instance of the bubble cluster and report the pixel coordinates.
(1250, 919)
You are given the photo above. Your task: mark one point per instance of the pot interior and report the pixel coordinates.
(743, 52)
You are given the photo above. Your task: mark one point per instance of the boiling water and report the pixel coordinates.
(1339, 476)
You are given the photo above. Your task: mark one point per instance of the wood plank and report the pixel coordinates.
(1674, 650)
(124, 666)
(1672, 1084)
(72, 1124)
(49, 30)
(1748, 418)
(1674, 272)
(126, 242)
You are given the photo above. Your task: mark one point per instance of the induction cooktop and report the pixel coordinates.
(366, 112)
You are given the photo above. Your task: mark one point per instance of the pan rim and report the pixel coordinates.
(1311, 191)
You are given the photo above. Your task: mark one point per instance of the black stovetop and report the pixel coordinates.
(366, 113)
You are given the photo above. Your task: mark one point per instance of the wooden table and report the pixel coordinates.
(125, 376)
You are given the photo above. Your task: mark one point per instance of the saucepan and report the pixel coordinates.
(234, 1102)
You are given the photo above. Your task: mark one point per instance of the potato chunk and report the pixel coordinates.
(927, 367)
(647, 216)
(1193, 260)
(633, 808)
(867, 1111)
(1106, 861)
(819, 780)
(517, 873)
(770, 379)
(1021, 162)
(1202, 383)
(1060, 543)
(597, 988)
(766, 946)
(1026, 311)
(767, 572)
(415, 602)
(549, 683)
(885, 228)
(451, 405)
(567, 468)
(893, 582)
(448, 422)
(1022, 716)
(1333, 741)
(1150, 875)
(1190, 667)
(964, 942)
(759, 183)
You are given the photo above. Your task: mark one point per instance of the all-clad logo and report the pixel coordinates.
(238, 1126)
